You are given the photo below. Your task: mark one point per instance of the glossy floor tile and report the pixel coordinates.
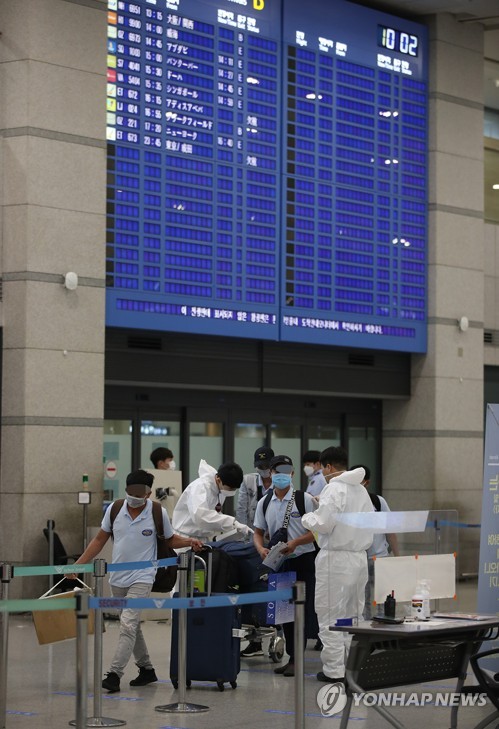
(42, 679)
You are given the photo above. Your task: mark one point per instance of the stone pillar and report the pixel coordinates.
(432, 453)
(52, 102)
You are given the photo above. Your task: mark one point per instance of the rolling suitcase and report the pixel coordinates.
(212, 649)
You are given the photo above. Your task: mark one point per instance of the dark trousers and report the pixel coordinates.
(304, 566)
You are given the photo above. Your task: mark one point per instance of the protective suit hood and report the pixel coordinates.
(205, 469)
(353, 478)
(196, 514)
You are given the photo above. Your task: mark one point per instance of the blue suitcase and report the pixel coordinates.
(212, 650)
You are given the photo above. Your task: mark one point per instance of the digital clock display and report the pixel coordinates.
(398, 41)
(267, 171)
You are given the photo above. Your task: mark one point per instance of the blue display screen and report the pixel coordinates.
(267, 166)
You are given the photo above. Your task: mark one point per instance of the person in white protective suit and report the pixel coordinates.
(199, 509)
(341, 564)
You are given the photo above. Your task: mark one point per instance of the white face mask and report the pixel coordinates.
(228, 492)
(173, 465)
(308, 470)
(134, 501)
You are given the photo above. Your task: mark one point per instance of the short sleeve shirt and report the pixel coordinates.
(379, 547)
(134, 541)
(274, 518)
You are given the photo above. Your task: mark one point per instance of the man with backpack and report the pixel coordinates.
(254, 486)
(382, 546)
(135, 540)
(279, 513)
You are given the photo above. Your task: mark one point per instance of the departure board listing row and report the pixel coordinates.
(267, 171)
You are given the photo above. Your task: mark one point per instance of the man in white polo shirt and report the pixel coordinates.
(134, 535)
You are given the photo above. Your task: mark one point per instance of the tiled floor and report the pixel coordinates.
(41, 689)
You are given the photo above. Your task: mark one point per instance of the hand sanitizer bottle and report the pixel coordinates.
(420, 606)
(425, 592)
(417, 604)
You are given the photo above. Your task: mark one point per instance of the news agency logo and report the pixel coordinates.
(444, 698)
(331, 699)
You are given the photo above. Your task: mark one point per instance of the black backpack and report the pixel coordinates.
(299, 501)
(225, 573)
(165, 576)
(375, 502)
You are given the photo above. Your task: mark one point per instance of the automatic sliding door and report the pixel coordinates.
(247, 438)
(159, 434)
(322, 436)
(206, 441)
(117, 447)
(286, 441)
(363, 448)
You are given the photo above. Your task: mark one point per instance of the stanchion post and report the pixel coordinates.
(182, 631)
(299, 632)
(99, 572)
(437, 535)
(182, 707)
(81, 658)
(6, 575)
(50, 539)
(97, 719)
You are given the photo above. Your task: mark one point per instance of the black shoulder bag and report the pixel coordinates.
(281, 535)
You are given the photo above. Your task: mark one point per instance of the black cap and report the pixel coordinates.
(311, 457)
(280, 460)
(140, 478)
(262, 457)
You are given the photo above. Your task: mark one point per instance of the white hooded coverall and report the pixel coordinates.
(341, 564)
(195, 513)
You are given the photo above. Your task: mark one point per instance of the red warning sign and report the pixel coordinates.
(111, 469)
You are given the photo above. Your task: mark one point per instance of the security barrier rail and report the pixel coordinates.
(82, 603)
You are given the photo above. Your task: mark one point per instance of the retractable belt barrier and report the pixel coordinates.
(143, 603)
(82, 603)
(458, 524)
(69, 569)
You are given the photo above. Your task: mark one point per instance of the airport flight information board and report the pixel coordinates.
(267, 171)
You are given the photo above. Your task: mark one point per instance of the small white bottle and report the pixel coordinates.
(417, 603)
(425, 592)
(420, 605)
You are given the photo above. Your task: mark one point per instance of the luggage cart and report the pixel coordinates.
(274, 632)
(252, 579)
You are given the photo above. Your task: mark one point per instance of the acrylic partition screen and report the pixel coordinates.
(267, 171)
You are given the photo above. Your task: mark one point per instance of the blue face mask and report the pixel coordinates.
(281, 480)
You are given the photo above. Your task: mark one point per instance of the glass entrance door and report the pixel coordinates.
(248, 436)
(231, 426)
